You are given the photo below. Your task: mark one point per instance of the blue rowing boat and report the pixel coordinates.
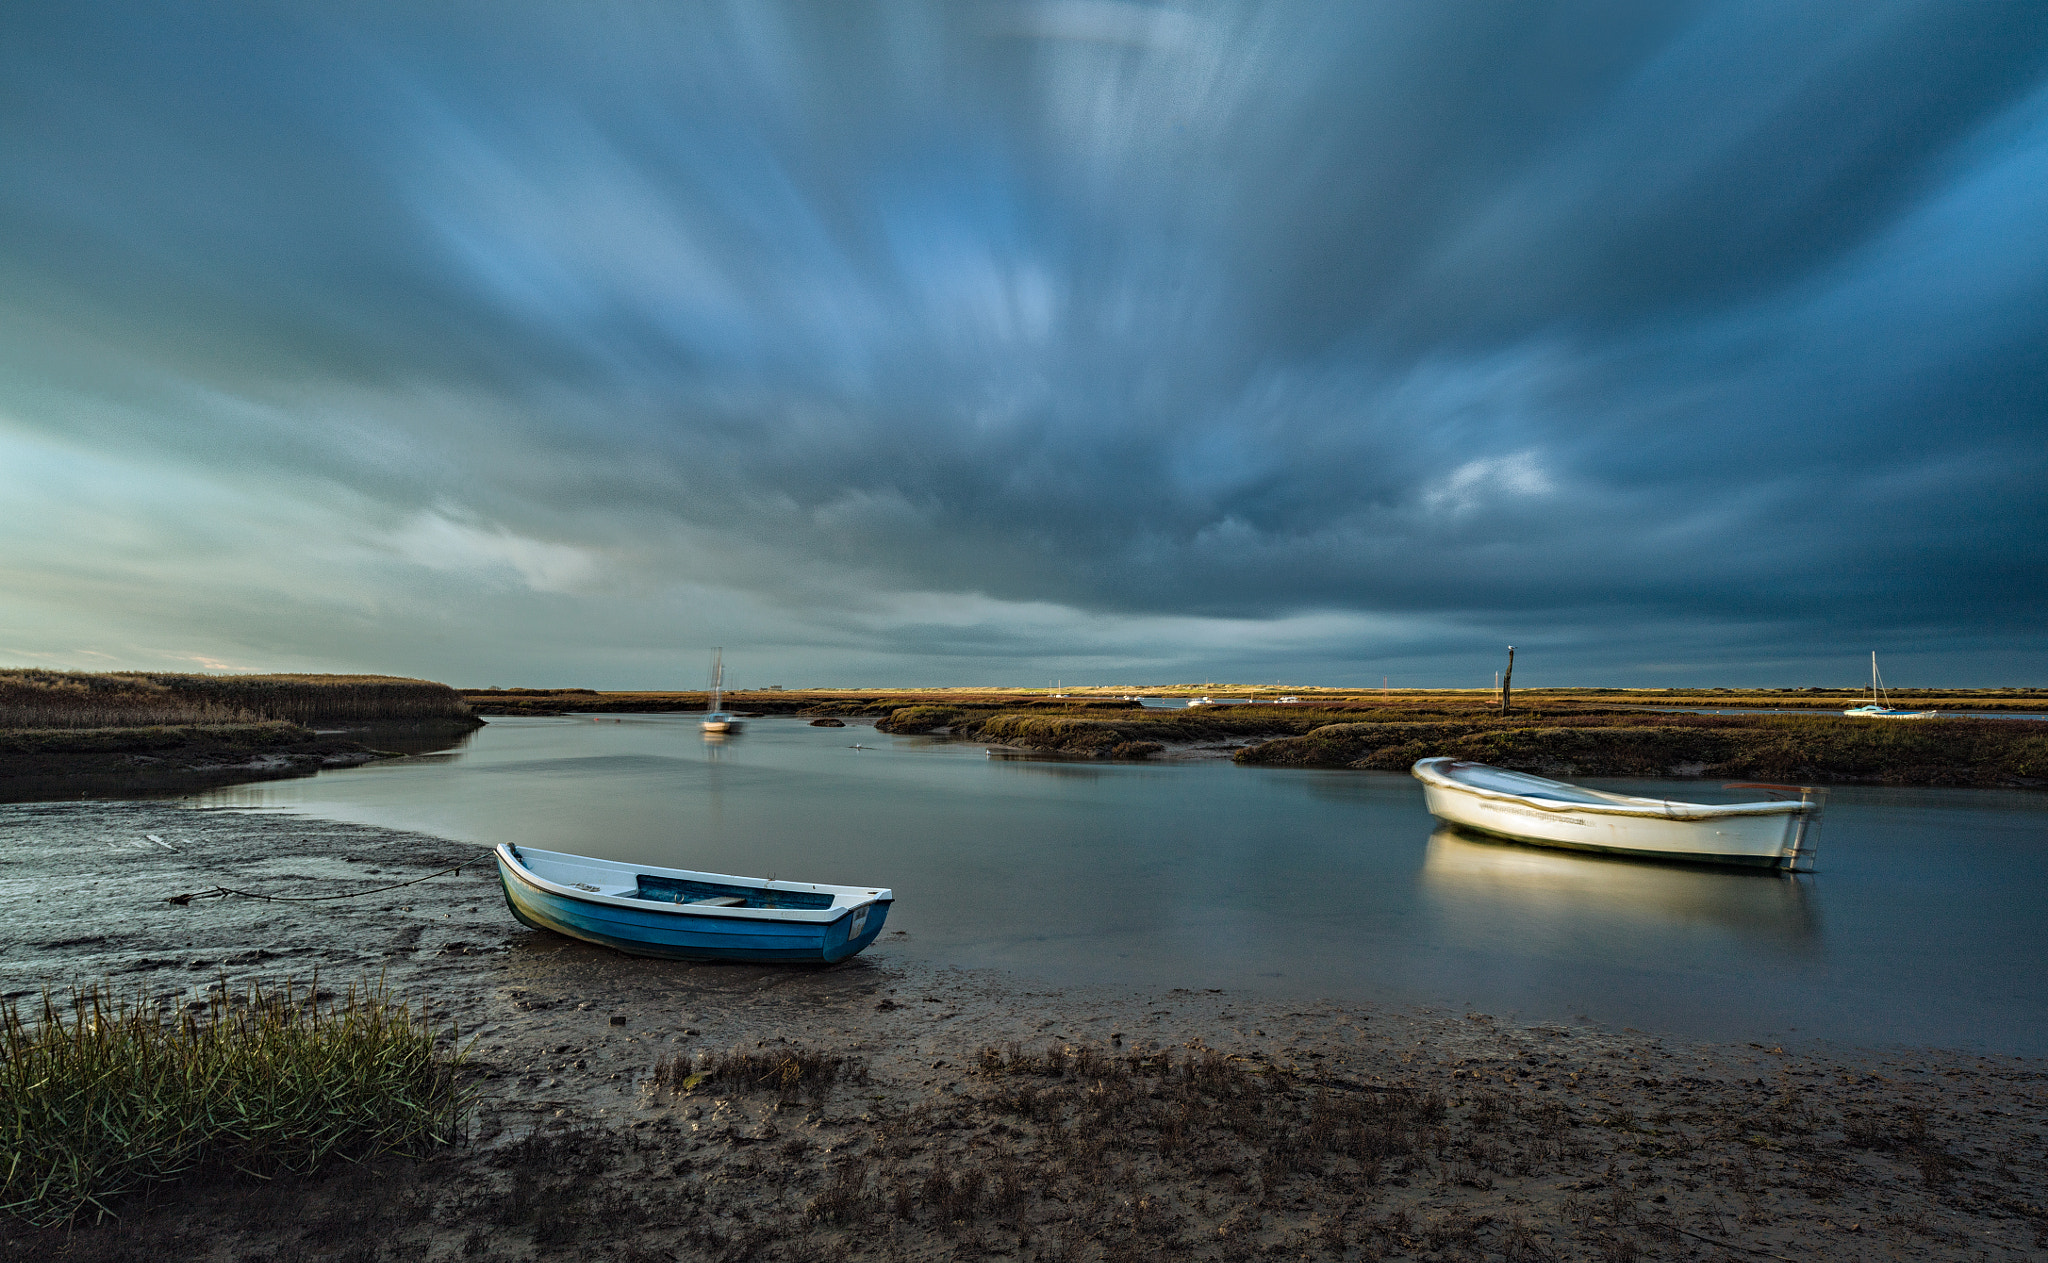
(681, 915)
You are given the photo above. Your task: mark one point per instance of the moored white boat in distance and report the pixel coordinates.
(682, 915)
(716, 719)
(1879, 706)
(1532, 809)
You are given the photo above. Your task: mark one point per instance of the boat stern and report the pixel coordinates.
(862, 924)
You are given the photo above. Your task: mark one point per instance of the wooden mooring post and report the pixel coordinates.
(1507, 683)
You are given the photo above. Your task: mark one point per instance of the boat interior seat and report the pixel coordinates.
(719, 901)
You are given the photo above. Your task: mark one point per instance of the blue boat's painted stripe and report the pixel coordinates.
(695, 935)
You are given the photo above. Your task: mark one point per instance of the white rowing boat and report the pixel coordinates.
(1524, 808)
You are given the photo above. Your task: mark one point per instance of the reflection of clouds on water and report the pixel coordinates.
(1492, 888)
(581, 767)
(1072, 769)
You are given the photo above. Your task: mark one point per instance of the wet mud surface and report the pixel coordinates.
(167, 763)
(190, 768)
(973, 1116)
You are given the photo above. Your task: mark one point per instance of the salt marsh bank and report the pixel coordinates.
(934, 1110)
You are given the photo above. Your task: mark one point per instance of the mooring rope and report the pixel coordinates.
(222, 892)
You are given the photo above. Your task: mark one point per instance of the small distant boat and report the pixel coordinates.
(681, 915)
(1524, 808)
(717, 719)
(1879, 706)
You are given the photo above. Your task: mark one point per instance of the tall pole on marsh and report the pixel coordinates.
(1507, 682)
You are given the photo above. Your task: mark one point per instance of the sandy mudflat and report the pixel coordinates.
(1176, 1125)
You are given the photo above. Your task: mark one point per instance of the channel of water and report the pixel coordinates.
(1924, 924)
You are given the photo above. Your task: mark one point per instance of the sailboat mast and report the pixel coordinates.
(718, 676)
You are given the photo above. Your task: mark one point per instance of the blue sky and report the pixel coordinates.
(999, 342)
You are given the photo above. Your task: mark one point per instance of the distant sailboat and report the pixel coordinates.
(715, 718)
(1879, 706)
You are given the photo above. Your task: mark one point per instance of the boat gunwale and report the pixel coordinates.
(509, 856)
(1426, 771)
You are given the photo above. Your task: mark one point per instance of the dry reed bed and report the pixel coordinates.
(105, 1095)
(256, 735)
(38, 699)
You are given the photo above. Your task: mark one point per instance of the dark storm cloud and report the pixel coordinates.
(1718, 326)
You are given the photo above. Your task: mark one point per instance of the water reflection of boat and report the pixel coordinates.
(1581, 891)
(1544, 812)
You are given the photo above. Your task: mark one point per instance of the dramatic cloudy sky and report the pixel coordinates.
(989, 342)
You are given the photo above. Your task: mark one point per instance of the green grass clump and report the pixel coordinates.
(102, 1097)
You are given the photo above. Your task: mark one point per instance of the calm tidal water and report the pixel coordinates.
(1927, 924)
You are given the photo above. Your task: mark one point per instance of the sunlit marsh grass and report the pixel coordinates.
(104, 1095)
(35, 698)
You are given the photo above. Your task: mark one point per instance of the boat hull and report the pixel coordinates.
(663, 932)
(1754, 839)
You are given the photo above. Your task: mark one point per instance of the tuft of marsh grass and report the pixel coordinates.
(101, 1097)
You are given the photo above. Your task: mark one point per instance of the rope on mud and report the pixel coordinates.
(222, 892)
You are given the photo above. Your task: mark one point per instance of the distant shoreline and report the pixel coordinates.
(1557, 733)
(274, 728)
(881, 701)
